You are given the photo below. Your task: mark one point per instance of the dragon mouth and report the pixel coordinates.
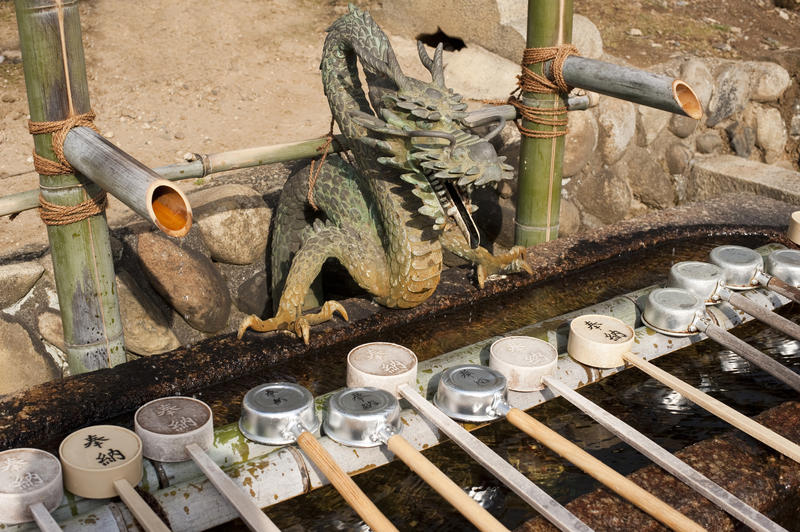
(457, 208)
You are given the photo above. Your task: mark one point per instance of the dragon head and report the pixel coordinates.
(422, 134)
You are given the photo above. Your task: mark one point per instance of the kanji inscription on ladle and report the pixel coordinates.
(607, 331)
(176, 415)
(382, 359)
(520, 352)
(25, 470)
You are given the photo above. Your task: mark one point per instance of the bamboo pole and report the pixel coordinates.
(541, 159)
(55, 79)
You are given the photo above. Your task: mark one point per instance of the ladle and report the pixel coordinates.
(280, 413)
(605, 342)
(30, 487)
(784, 264)
(393, 368)
(743, 269)
(105, 461)
(369, 417)
(678, 312)
(470, 392)
(529, 364)
(705, 281)
(175, 429)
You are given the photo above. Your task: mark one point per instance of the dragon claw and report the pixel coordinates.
(509, 261)
(287, 321)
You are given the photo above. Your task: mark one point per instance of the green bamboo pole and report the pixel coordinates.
(55, 78)
(540, 160)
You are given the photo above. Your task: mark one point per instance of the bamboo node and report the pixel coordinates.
(53, 214)
(316, 167)
(59, 130)
(529, 81)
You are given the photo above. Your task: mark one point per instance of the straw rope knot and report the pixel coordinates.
(530, 81)
(316, 167)
(51, 213)
(59, 130)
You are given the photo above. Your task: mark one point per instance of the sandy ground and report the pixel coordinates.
(167, 78)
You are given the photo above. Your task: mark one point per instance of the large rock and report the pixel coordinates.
(144, 326)
(603, 195)
(617, 120)
(768, 81)
(698, 76)
(651, 123)
(586, 37)
(682, 126)
(649, 182)
(742, 137)
(709, 142)
(22, 366)
(461, 66)
(569, 218)
(187, 280)
(731, 95)
(52, 329)
(677, 156)
(16, 280)
(580, 142)
(770, 133)
(233, 221)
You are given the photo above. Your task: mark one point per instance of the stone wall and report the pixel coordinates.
(622, 160)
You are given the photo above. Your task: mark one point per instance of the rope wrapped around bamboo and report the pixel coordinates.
(51, 213)
(529, 81)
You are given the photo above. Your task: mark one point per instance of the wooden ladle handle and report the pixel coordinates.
(345, 485)
(43, 518)
(600, 471)
(719, 409)
(443, 485)
(140, 510)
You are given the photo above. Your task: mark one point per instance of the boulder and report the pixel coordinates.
(617, 121)
(698, 76)
(677, 157)
(768, 81)
(233, 221)
(649, 182)
(742, 138)
(586, 37)
(569, 218)
(709, 142)
(16, 280)
(461, 67)
(770, 133)
(22, 366)
(187, 280)
(604, 195)
(682, 126)
(145, 329)
(731, 95)
(580, 142)
(651, 123)
(52, 329)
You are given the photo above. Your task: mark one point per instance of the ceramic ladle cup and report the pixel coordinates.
(106, 461)
(393, 368)
(175, 429)
(679, 312)
(280, 413)
(743, 269)
(528, 364)
(475, 393)
(705, 280)
(605, 342)
(369, 417)
(30, 487)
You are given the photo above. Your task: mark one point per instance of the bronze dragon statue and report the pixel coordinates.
(386, 216)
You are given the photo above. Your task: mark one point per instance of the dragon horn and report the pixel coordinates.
(434, 65)
(438, 67)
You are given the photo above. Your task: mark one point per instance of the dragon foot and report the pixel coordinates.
(289, 321)
(509, 261)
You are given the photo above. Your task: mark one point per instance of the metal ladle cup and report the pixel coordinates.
(583, 341)
(529, 363)
(280, 413)
(369, 417)
(105, 461)
(784, 264)
(743, 269)
(678, 312)
(30, 487)
(470, 392)
(393, 368)
(175, 429)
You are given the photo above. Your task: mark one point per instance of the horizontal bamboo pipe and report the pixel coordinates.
(614, 481)
(134, 184)
(631, 84)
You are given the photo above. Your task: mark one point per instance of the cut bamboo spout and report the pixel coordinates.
(134, 184)
(631, 84)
